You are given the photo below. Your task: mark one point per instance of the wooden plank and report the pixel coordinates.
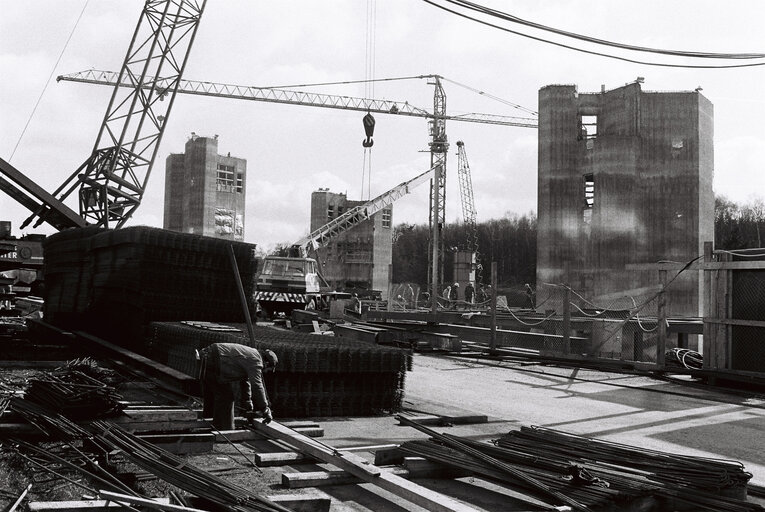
(447, 413)
(307, 502)
(181, 380)
(80, 505)
(388, 456)
(283, 459)
(359, 467)
(415, 467)
(134, 500)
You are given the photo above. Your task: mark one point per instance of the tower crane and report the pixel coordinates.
(468, 205)
(438, 143)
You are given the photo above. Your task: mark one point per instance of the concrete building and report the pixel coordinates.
(360, 257)
(625, 177)
(204, 191)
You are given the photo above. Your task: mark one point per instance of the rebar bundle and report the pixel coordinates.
(178, 472)
(73, 394)
(586, 473)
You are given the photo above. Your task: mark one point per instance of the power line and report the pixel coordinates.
(514, 19)
(600, 54)
(42, 93)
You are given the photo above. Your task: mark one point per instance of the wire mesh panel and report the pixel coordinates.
(747, 344)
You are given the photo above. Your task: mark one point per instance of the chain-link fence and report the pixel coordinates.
(736, 321)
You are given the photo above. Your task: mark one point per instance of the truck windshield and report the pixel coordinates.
(288, 267)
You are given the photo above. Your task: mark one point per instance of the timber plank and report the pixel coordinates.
(359, 467)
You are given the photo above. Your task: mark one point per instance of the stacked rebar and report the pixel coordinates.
(73, 394)
(587, 473)
(178, 472)
(112, 283)
(316, 376)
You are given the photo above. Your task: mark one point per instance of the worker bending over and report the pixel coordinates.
(228, 366)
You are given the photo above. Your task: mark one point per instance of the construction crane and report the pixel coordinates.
(468, 206)
(438, 144)
(287, 283)
(358, 214)
(111, 182)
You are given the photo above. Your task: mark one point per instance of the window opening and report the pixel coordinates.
(588, 126)
(387, 215)
(589, 198)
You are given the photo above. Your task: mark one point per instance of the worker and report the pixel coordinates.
(231, 367)
(469, 292)
(454, 292)
(529, 297)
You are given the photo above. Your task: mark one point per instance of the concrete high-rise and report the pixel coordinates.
(625, 177)
(360, 257)
(204, 191)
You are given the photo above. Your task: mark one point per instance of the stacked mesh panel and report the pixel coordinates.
(113, 283)
(317, 376)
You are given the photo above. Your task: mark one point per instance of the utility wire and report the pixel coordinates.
(590, 52)
(53, 70)
(682, 53)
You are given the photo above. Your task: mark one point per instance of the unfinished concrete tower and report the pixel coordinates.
(360, 257)
(205, 191)
(625, 177)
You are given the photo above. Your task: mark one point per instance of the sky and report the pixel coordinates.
(292, 150)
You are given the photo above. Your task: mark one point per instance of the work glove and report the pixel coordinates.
(267, 417)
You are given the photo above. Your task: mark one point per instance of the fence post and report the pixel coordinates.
(661, 340)
(567, 319)
(493, 341)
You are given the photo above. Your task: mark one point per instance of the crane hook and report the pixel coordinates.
(369, 129)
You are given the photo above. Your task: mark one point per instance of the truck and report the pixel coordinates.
(287, 283)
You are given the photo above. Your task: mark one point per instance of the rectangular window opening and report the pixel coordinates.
(589, 198)
(330, 211)
(387, 216)
(588, 127)
(225, 178)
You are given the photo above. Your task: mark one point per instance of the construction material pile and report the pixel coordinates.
(587, 474)
(112, 283)
(71, 392)
(316, 376)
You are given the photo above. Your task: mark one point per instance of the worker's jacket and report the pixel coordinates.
(232, 362)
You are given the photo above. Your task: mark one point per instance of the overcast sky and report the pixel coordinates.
(293, 150)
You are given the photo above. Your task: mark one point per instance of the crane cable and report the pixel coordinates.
(507, 17)
(47, 82)
(369, 91)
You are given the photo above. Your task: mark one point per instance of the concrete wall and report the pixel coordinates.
(194, 200)
(362, 255)
(651, 165)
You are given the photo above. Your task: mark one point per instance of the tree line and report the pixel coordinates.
(512, 242)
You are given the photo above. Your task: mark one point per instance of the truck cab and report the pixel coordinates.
(285, 284)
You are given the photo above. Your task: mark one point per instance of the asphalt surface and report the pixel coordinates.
(634, 410)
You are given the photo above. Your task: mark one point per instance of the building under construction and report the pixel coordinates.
(205, 191)
(357, 258)
(625, 178)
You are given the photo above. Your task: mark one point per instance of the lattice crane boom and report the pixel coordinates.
(292, 97)
(468, 205)
(111, 182)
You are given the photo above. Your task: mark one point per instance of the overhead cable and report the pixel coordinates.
(600, 54)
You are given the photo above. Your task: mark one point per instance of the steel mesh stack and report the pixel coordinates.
(112, 283)
(316, 376)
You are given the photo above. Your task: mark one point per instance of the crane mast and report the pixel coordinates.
(439, 145)
(468, 205)
(111, 182)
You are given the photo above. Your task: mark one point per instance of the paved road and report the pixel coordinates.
(616, 407)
